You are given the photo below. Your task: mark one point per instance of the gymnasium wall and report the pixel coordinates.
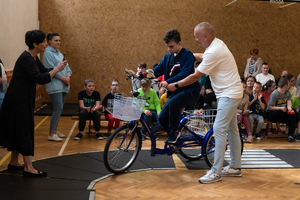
(16, 18)
(101, 37)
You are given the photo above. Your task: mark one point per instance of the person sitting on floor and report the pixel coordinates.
(152, 108)
(280, 107)
(242, 113)
(296, 106)
(256, 106)
(108, 103)
(89, 107)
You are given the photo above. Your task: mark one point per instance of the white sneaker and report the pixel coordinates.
(54, 138)
(229, 171)
(210, 177)
(59, 134)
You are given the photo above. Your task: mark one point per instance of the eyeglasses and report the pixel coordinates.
(114, 84)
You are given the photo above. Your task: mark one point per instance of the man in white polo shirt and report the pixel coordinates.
(264, 76)
(219, 63)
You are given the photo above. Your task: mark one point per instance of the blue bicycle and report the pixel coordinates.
(123, 146)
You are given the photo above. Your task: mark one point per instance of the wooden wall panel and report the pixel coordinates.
(103, 36)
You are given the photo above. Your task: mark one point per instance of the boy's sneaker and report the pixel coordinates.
(229, 171)
(210, 177)
(174, 137)
(99, 136)
(78, 136)
(119, 135)
(297, 138)
(54, 137)
(257, 136)
(106, 135)
(290, 138)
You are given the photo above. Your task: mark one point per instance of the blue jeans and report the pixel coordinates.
(170, 113)
(226, 122)
(2, 94)
(148, 120)
(58, 100)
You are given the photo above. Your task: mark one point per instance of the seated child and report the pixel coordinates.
(108, 103)
(136, 83)
(89, 106)
(242, 113)
(256, 106)
(152, 107)
(296, 106)
(267, 89)
(280, 107)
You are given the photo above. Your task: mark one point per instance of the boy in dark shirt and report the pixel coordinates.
(108, 103)
(256, 104)
(89, 106)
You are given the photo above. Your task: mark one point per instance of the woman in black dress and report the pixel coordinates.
(17, 113)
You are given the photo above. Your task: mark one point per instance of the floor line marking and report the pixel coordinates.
(67, 140)
(9, 153)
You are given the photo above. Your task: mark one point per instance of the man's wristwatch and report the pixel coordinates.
(176, 85)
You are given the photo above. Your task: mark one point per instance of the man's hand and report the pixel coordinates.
(164, 84)
(148, 112)
(171, 87)
(283, 109)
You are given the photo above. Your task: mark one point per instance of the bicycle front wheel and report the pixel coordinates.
(122, 148)
(209, 150)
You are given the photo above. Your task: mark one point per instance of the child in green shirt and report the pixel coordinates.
(152, 108)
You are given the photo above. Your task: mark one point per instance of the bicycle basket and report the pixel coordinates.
(128, 108)
(200, 123)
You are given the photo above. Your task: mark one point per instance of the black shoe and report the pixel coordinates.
(174, 137)
(290, 138)
(78, 136)
(13, 167)
(99, 136)
(39, 174)
(297, 138)
(257, 136)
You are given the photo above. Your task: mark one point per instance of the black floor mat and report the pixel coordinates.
(70, 176)
(70, 109)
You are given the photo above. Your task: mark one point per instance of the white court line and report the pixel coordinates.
(67, 140)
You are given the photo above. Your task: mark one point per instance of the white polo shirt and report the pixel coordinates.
(219, 63)
(264, 78)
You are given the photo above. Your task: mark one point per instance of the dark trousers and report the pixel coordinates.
(283, 117)
(170, 113)
(84, 115)
(148, 120)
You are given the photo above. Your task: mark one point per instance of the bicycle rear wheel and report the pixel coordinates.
(192, 148)
(210, 149)
(122, 148)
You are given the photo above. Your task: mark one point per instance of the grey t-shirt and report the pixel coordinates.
(277, 99)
